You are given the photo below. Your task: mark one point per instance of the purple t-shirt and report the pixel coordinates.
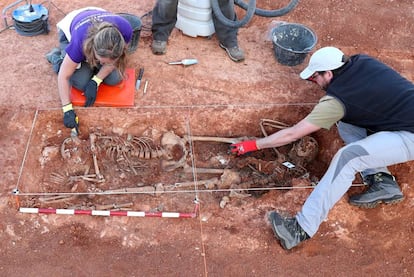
(79, 30)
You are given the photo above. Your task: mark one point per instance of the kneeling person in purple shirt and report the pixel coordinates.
(92, 49)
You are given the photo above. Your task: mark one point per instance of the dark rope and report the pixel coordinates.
(33, 28)
(269, 13)
(251, 9)
(233, 23)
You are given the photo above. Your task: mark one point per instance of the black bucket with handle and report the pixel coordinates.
(292, 42)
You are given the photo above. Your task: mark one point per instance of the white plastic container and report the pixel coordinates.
(194, 18)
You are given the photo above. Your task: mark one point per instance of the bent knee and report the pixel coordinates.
(350, 152)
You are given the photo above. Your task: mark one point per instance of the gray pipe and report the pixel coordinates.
(271, 13)
(237, 23)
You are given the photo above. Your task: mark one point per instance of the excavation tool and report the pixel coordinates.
(75, 131)
(138, 83)
(185, 62)
(145, 86)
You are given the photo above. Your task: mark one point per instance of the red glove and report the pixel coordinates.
(243, 147)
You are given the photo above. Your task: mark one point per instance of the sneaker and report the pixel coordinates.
(235, 53)
(287, 230)
(382, 189)
(159, 47)
(55, 58)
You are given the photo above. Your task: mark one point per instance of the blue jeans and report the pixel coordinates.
(376, 151)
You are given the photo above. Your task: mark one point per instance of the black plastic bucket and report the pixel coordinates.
(135, 22)
(292, 42)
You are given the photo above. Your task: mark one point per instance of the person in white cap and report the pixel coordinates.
(373, 108)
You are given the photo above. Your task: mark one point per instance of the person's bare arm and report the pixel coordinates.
(105, 70)
(67, 69)
(288, 135)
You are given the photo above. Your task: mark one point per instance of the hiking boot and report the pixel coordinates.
(382, 189)
(287, 230)
(55, 58)
(235, 53)
(159, 47)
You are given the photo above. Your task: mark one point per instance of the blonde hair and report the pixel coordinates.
(106, 40)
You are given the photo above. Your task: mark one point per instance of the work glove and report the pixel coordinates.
(243, 147)
(91, 89)
(70, 119)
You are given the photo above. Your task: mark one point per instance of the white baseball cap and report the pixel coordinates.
(326, 58)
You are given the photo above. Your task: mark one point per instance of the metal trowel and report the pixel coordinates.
(185, 62)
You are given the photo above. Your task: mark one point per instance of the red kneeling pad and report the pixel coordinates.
(121, 95)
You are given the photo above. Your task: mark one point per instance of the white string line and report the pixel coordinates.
(27, 149)
(193, 165)
(166, 191)
(252, 105)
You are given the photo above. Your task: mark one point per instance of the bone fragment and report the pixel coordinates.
(188, 169)
(95, 163)
(92, 138)
(209, 183)
(145, 189)
(57, 198)
(65, 153)
(212, 139)
(224, 201)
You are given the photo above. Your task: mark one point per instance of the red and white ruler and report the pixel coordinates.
(109, 212)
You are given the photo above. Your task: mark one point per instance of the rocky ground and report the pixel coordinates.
(215, 97)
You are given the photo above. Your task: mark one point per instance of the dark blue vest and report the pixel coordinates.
(374, 95)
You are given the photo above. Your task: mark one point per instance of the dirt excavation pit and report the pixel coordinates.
(236, 240)
(159, 160)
